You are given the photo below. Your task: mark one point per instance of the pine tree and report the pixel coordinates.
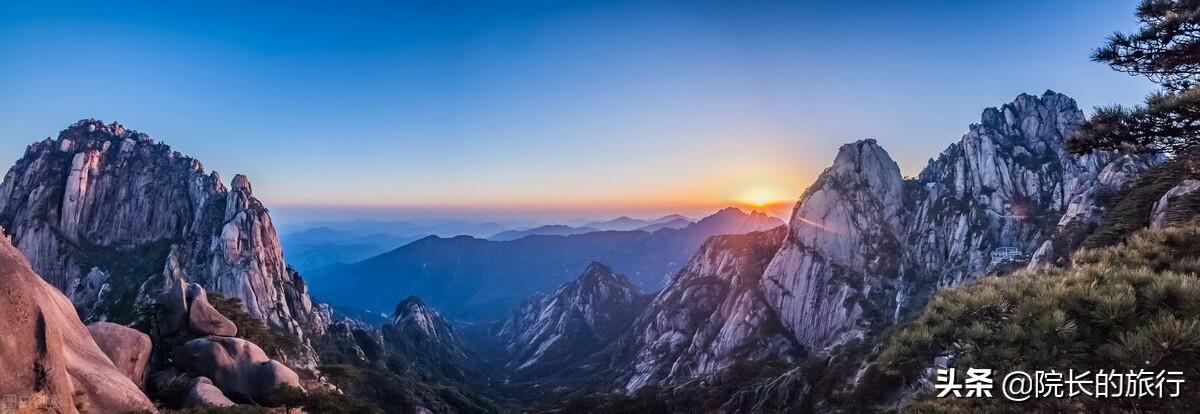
(1166, 50)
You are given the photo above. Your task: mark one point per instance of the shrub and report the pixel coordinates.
(292, 399)
(1135, 306)
(342, 375)
(277, 342)
(1132, 210)
(237, 409)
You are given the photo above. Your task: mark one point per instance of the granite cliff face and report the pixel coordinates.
(109, 216)
(864, 246)
(834, 275)
(1008, 182)
(710, 316)
(574, 321)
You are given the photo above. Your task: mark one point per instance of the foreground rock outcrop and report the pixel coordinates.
(48, 357)
(1177, 205)
(202, 393)
(239, 368)
(127, 348)
(203, 318)
(101, 211)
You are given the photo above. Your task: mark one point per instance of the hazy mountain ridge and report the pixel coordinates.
(444, 227)
(623, 223)
(319, 247)
(470, 278)
(546, 230)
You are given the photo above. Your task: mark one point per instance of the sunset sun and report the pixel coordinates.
(759, 198)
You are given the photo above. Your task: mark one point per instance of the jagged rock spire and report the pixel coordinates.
(101, 209)
(833, 275)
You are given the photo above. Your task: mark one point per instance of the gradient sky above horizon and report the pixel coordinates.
(541, 108)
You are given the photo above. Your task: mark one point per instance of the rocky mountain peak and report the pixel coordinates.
(1007, 183)
(733, 220)
(1039, 123)
(729, 211)
(96, 135)
(413, 315)
(864, 164)
(599, 275)
(577, 318)
(105, 214)
(864, 245)
(409, 306)
(241, 183)
(832, 278)
(419, 335)
(96, 129)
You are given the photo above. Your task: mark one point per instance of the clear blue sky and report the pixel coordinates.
(524, 107)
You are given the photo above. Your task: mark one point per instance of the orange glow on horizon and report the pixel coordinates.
(771, 195)
(761, 197)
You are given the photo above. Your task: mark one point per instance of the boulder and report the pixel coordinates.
(238, 367)
(49, 361)
(172, 297)
(205, 319)
(203, 393)
(127, 348)
(1162, 209)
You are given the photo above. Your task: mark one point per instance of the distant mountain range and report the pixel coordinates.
(318, 247)
(408, 228)
(623, 223)
(547, 230)
(472, 279)
(328, 243)
(673, 223)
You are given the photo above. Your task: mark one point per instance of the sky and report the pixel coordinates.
(541, 109)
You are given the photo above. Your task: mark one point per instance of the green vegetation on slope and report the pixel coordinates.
(277, 342)
(1131, 210)
(1135, 306)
